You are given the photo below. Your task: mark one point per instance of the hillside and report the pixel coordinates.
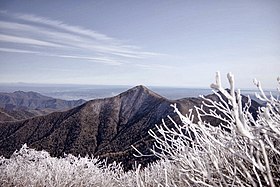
(14, 115)
(21, 105)
(103, 127)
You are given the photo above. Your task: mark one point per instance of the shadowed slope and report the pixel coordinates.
(103, 127)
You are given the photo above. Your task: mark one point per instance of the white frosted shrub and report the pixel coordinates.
(240, 151)
(28, 167)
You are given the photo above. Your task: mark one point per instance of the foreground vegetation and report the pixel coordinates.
(240, 151)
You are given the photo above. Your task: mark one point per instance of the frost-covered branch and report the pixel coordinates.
(28, 167)
(240, 151)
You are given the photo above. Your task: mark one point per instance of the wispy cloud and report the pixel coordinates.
(63, 26)
(58, 39)
(88, 58)
(24, 40)
(96, 59)
(9, 50)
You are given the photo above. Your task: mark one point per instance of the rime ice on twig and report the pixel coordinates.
(240, 151)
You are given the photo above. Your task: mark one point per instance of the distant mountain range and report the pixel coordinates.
(103, 127)
(22, 105)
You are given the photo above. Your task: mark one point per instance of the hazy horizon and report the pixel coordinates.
(28, 84)
(89, 92)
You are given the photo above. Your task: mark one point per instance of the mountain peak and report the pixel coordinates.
(141, 90)
(141, 87)
(34, 102)
(28, 94)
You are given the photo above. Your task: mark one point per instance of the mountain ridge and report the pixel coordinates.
(21, 105)
(102, 127)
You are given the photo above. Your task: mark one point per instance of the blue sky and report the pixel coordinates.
(155, 43)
